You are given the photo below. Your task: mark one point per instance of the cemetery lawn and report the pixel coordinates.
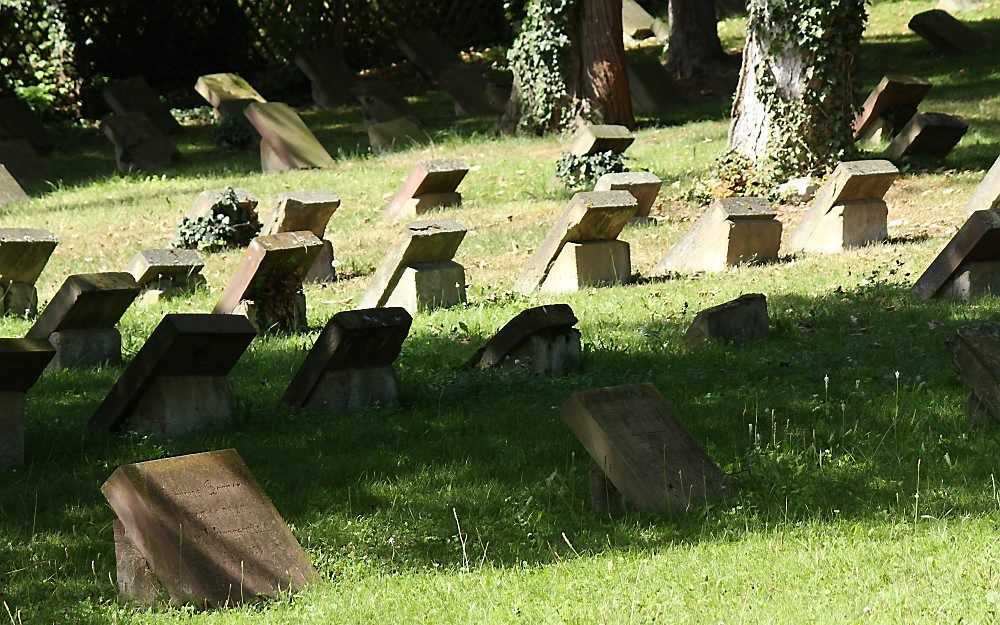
(863, 495)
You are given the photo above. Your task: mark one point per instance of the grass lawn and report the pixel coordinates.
(863, 495)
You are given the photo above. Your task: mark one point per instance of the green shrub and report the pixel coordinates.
(577, 172)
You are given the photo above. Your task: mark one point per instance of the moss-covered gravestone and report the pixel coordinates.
(431, 184)
(969, 265)
(285, 141)
(307, 210)
(139, 144)
(134, 95)
(22, 362)
(228, 94)
(541, 339)
(24, 252)
(593, 138)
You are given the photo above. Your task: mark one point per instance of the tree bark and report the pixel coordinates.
(694, 49)
(750, 126)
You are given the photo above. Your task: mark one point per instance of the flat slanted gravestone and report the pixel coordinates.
(307, 210)
(350, 366)
(164, 273)
(23, 162)
(975, 352)
(22, 362)
(18, 121)
(176, 385)
(889, 106)
(397, 134)
(267, 286)
(933, 134)
(134, 95)
(733, 231)
(742, 320)
(653, 91)
(542, 340)
(329, 75)
(947, 34)
(24, 252)
(10, 189)
(637, 23)
(969, 266)
(198, 529)
(643, 185)
(582, 248)
(381, 101)
(987, 195)
(80, 320)
(431, 184)
(591, 139)
(426, 50)
(418, 272)
(643, 450)
(285, 141)
(228, 94)
(848, 210)
(139, 145)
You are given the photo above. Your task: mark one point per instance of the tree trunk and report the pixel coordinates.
(693, 49)
(750, 127)
(605, 78)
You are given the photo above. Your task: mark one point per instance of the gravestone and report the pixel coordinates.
(582, 248)
(22, 362)
(134, 95)
(139, 145)
(643, 185)
(743, 320)
(947, 34)
(350, 366)
(418, 272)
(267, 285)
(591, 139)
(164, 273)
(733, 231)
(431, 184)
(425, 49)
(198, 529)
(24, 252)
(987, 195)
(381, 101)
(176, 385)
(975, 353)
(228, 94)
(653, 91)
(969, 265)
(889, 106)
(637, 23)
(18, 121)
(329, 75)
(643, 450)
(23, 162)
(10, 190)
(307, 210)
(397, 134)
(934, 134)
(848, 210)
(285, 141)
(542, 340)
(80, 320)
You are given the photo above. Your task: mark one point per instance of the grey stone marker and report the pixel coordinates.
(168, 272)
(350, 366)
(975, 353)
(741, 320)
(10, 189)
(134, 95)
(24, 252)
(637, 23)
(381, 101)
(398, 134)
(22, 362)
(228, 94)
(848, 210)
(418, 272)
(987, 195)
(643, 450)
(139, 145)
(307, 210)
(267, 285)
(969, 266)
(176, 385)
(934, 134)
(80, 320)
(18, 121)
(889, 106)
(542, 340)
(431, 184)
(591, 139)
(733, 231)
(23, 162)
(947, 34)
(582, 248)
(285, 141)
(652, 89)
(328, 73)
(643, 185)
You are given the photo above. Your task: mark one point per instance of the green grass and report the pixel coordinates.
(828, 446)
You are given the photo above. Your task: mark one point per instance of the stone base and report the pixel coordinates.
(972, 281)
(879, 132)
(548, 354)
(426, 202)
(11, 430)
(753, 241)
(290, 317)
(604, 497)
(19, 300)
(425, 286)
(136, 581)
(85, 348)
(593, 263)
(323, 270)
(181, 405)
(269, 160)
(980, 414)
(853, 224)
(353, 389)
(740, 321)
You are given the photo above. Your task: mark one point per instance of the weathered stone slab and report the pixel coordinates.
(18, 121)
(987, 195)
(422, 243)
(589, 264)
(431, 184)
(398, 134)
(426, 286)
(978, 241)
(947, 34)
(975, 353)
(192, 352)
(23, 163)
(350, 366)
(167, 270)
(227, 93)
(134, 95)
(894, 99)
(934, 134)
(643, 185)
(22, 362)
(426, 50)
(595, 216)
(591, 139)
(329, 75)
(267, 285)
(742, 320)
(381, 101)
(286, 142)
(206, 531)
(472, 94)
(637, 23)
(637, 441)
(10, 189)
(541, 334)
(24, 252)
(311, 211)
(139, 145)
(733, 231)
(653, 90)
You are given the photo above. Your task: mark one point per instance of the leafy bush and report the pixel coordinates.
(576, 172)
(230, 223)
